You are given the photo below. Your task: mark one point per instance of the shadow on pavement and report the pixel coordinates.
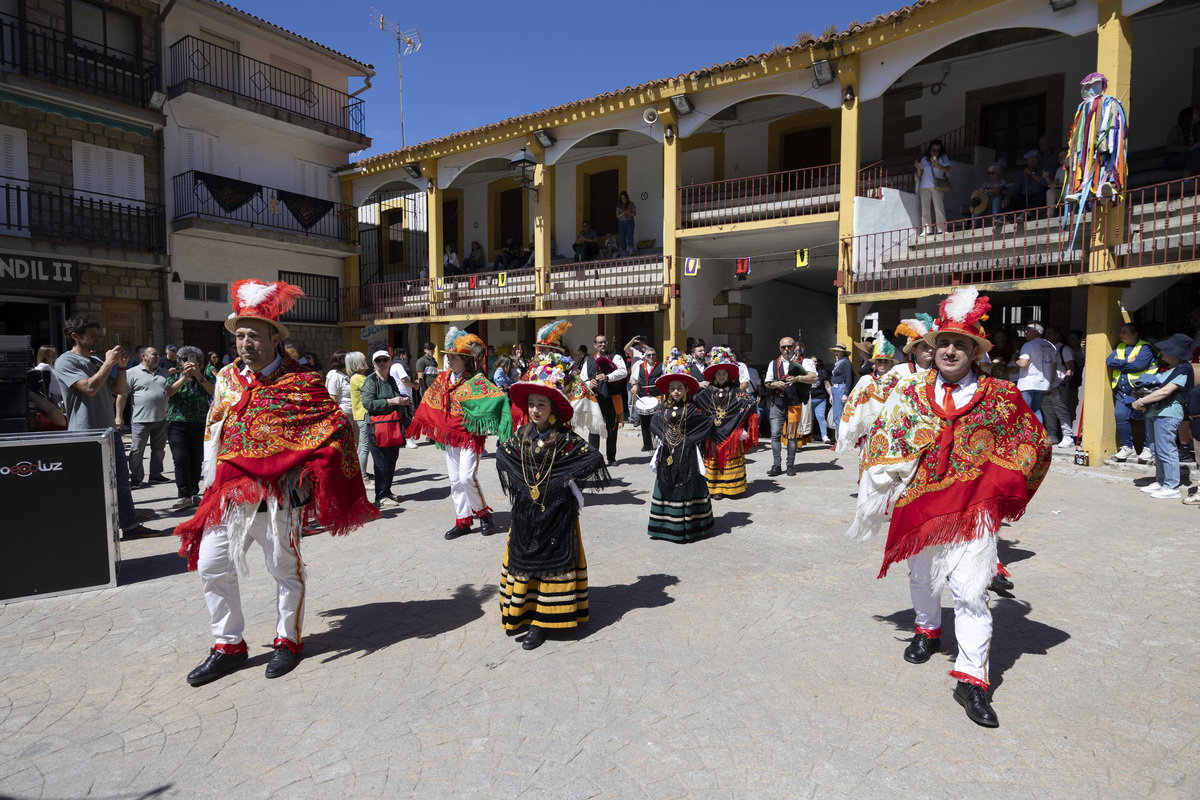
(727, 521)
(763, 486)
(432, 493)
(624, 497)
(1010, 554)
(366, 629)
(607, 604)
(149, 568)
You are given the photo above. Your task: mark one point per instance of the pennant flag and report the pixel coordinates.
(802, 258)
(691, 267)
(440, 285)
(743, 269)
(502, 278)
(473, 281)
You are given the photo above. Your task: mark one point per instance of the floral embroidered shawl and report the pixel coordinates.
(462, 413)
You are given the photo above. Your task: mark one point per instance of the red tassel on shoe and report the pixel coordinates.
(240, 647)
(481, 513)
(930, 633)
(965, 678)
(463, 522)
(289, 644)
(1002, 570)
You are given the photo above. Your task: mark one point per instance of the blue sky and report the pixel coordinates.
(483, 61)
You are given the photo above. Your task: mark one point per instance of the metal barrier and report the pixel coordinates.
(55, 213)
(1162, 224)
(636, 281)
(777, 195)
(200, 194)
(207, 63)
(509, 291)
(390, 299)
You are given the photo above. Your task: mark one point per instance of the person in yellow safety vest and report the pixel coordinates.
(1132, 358)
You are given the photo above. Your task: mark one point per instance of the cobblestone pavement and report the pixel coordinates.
(762, 662)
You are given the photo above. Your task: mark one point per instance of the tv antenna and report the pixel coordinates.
(407, 42)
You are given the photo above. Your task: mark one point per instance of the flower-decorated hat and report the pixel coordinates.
(962, 312)
(677, 367)
(253, 299)
(721, 358)
(549, 336)
(550, 375)
(881, 348)
(915, 329)
(460, 342)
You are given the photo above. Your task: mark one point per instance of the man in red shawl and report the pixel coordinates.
(275, 442)
(952, 455)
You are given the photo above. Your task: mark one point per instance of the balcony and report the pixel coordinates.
(775, 196)
(44, 53)
(203, 195)
(615, 284)
(41, 211)
(196, 60)
(396, 299)
(1162, 222)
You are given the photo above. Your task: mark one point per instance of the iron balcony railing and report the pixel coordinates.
(209, 196)
(197, 60)
(777, 195)
(1162, 223)
(899, 172)
(392, 299)
(636, 281)
(41, 52)
(43, 211)
(511, 291)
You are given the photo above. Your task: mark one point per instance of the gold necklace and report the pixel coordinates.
(539, 475)
(674, 434)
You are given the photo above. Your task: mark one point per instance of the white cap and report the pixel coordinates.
(1033, 154)
(1036, 327)
(379, 353)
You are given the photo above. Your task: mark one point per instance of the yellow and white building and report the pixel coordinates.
(800, 159)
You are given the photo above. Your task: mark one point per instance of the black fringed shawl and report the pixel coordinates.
(730, 408)
(542, 542)
(675, 479)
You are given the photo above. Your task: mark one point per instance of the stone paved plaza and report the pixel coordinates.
(762, 662)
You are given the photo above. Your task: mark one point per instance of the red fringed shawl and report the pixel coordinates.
(462, 414)
(285, 423)
(999, 454)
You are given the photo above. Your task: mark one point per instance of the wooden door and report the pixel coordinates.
(127, 318)
(208, 336)
(512, 221)
(807, 148)
(603, 188)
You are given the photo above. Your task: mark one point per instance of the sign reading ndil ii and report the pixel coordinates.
(32, 272)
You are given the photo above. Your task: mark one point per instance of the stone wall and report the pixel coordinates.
(322, 340)
(99, 281)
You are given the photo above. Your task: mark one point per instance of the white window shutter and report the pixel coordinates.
(198, 150)
(314, 180)
(14, 180)
(101, 171)
(14, 153)
(211, 146)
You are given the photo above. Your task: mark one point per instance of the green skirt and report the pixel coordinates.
(682, 520)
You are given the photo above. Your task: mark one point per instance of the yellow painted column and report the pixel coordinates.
(1114, 56)
(848, 330)
(543, 215)
(673, 334)
(436, 224)
(352, 279)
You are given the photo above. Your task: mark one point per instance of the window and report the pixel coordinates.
(320, 301)
(1012, 128)
(313, 180)
(207, 292)
(108, 175)
(198, 151)
(103, 30)
(14, 182)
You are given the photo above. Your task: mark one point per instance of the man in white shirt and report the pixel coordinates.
(399, 372)
(788, 396)
(1055, 408)
(147, 398)
(602, 386)
(1036, 364)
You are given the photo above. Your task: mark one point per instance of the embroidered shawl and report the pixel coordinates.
(734, 414)
(264, 437)
(998, 455)
(678, 463)
(462, 413)
(862, 407)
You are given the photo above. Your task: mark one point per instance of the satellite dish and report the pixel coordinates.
(650, 116)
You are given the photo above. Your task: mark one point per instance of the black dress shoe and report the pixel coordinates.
(647, 449)
(534, 638)
(283, 662)
(486, 526)
(774, 471)
(159, 479)
(791, 470)
(218, 664)
(974, 700)
(921, 649)
(456, 532)
(1000, 584)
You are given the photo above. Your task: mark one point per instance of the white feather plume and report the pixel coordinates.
(961, 302)
(254, 294)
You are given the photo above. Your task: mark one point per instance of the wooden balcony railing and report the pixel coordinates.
(777, 195)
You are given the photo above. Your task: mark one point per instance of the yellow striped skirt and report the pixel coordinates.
(560, 601)
(730, 481)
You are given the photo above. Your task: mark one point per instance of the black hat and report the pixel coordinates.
(1179, 345)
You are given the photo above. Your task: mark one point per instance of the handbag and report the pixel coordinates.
(388, 429)
(942, 185)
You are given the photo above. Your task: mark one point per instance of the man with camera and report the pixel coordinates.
(188, 394)
(147, 399)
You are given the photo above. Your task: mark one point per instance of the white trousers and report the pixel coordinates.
(461, 465)
(968, 568)
(218, 577)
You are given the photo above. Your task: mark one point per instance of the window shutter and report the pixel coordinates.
(197, 150)
(103, 171)
(14, 153)
(14, 175)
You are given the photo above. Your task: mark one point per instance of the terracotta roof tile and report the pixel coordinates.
(270, 24)
(901, 13)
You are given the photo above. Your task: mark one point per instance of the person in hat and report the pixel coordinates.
(841, 379)
(458, 412)
(735, 425)
(380, 396)
(988, 197)
(867, 397)
(919, 352)
(787, 382)
(1164, 408)
(543, 578)
(588, 419)
(953, 456)
(680, 509)
(274, 437)
(1028, 192)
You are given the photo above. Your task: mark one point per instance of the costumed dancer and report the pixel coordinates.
(458, 411)
(273, 438)
(1097, 148)
(680, 509)
(587, 418)
(866, 398)
(735, 425)
(919, 352)
(543, 580)
(954, 454)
